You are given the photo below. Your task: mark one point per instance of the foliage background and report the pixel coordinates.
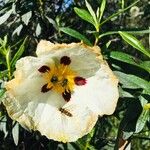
(23, 23)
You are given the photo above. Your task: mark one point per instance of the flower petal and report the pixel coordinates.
(100, 93)
(83, 58)
(50, 121)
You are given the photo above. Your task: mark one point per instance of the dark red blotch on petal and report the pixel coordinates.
(80, 81)
(45, 89)
(44, 69)
(67, 96)
(65, 60)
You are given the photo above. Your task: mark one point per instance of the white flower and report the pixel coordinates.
(62, 91)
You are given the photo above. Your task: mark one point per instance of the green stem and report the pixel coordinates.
(116, 32)
(8, 64)
(115, 14)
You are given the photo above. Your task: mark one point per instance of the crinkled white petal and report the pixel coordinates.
(100, 93)
(36, 110)
(42, 116)
(84, 60)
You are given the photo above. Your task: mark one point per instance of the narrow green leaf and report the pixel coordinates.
(132, 32)
(5, 16)
(18, 53)
(119, 12)
(102, 8)
(91, 11)
(132, 81)
(82, 13)
(17, 30)
(2, 91)
(26, 17)
(52, 22)
(130, 39)
(143, 117)
(3, 126)
(145, 64)
(38, 30)
(129, 59)
(75, 34)
(123, 93)
(3, 74)
(15, 133)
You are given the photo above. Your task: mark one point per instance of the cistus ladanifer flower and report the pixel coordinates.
(62, 91)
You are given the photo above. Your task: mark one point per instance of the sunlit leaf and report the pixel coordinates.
(102, 8)
(5, 16)
(91, 11)
(82, 13)
(130, 39)
(75, 34)
(130, 60)
(26, 17)
(15, 133)
(38, 30)
(52, 22)
(3, 125)
(2, 91)
(143, 117)
(132, 81)
(17, 30)
(18, 53)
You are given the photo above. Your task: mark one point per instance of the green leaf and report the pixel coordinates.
(123, 93)
(130, 39)
(38, 30)
(5, 16)
(17, 30)
(18, 53)
(26, 17)
(15, 133)
(145, 64)
(2, 91)
(91, 11)
(102, 8)
(129, 122)
(75, 34)
(141, 32)
(143, 117)
(129, 59)
(3, 74)
(3, 126)
(119, 12)
(132, 81)
(82, 13)
(52, 22)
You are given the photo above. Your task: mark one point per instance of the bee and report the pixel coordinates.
(64, 111)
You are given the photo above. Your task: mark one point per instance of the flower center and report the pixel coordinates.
(54, 79)
(61, 78)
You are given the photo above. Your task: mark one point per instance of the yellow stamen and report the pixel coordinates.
(65, 77)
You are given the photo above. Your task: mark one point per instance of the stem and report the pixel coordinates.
(132, 32)
(96, 37)
(8, 64)
(115, 14)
